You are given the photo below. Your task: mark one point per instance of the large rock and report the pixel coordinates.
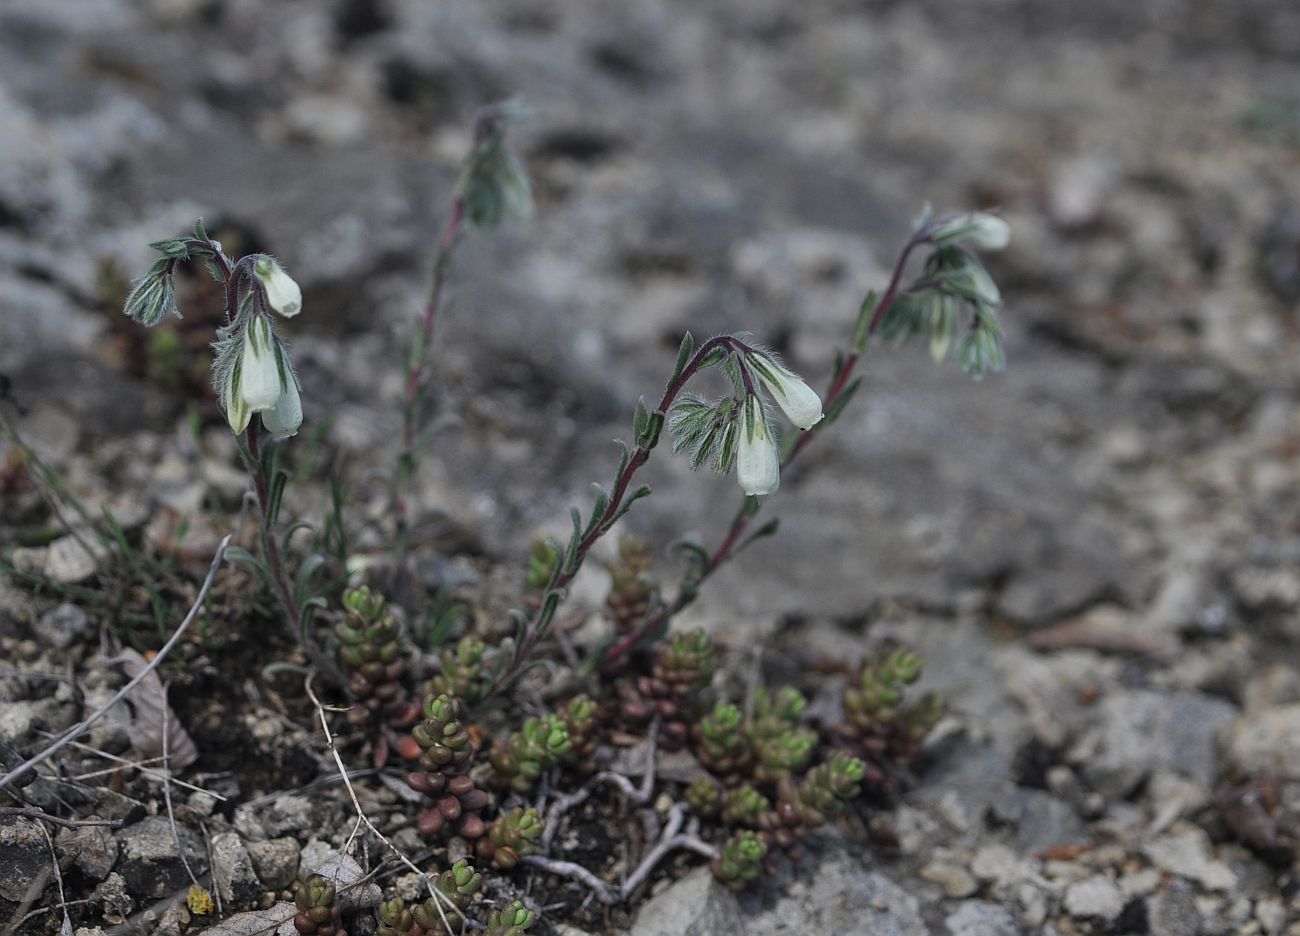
(1096, 897)
(91, 849)
(68, 560)
(1039, 819)
(697, 905)
(842, 895)
(285, 814)
(1141, 731)
(150, 861)
(275, 861)
(978, 918)
(232, 869)
(1263, 741)
(25, 866)
(61, 626)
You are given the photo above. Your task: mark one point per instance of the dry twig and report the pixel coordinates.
(638, 796)
(438, 897)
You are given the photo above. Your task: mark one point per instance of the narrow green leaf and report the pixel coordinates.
(862, 329)
(766, 530)
(642, 491)
(684, 351)
(435, 426)
(275, 497)
(598, 509)
(302, 580)
(837, 405)
(654, 428)
(242, 556)
(640, 422)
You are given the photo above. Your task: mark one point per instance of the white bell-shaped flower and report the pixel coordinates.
(282, 293)
(283, 419)
(259, 370)
(988, 232)
(800, 403)
(758, 463)
(979, 229)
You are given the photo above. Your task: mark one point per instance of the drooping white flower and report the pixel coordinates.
(259, 371)
(979, 229)
(283, 419)
(237, 413)
(282, 293)
(800, 403)
(758, 463)
(983, 286)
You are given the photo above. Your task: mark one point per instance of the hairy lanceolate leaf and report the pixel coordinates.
(707, 430)
(149, 704)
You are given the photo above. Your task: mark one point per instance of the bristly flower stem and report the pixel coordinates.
(417, 367)
(748, 508)
(254, 459)
(536, 628)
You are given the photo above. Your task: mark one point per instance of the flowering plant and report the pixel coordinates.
(773, 773)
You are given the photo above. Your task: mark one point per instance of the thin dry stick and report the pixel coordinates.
(602, 891)
(134, 765)
(319, 781)
(40, 910)
(167, 791)
(212, 863)
(58, 879)
(31, 812)
(438, 897)
(638, 797)
(669, 841)
(66, 738)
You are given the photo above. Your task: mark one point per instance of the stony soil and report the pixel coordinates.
(1098, 552)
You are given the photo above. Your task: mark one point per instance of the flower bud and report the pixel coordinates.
(979, 229)
(237, 413)
(800, 403)
(282, 293)
(151, 299)
(259, 369)
(758, 464)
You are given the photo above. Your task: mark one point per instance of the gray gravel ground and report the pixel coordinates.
(1097, 551)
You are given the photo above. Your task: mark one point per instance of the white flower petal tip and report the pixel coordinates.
(758, 463)
(979, 229)
(800, 403)
(282, 293)
(283, 419)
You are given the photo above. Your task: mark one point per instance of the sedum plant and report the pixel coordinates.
(518, 762)
(446, 753)
(674, 690)
(316, 914)
(370, 647)
(740, 861)
(464, 672)
(880, 723)
(512, 836)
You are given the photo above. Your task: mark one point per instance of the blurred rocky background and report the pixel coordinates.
(1098, 551)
